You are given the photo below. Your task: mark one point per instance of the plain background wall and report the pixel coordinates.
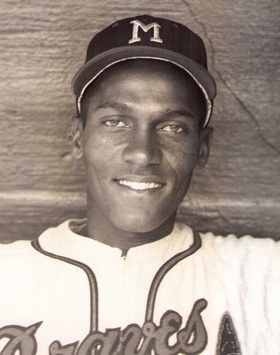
(43, 43)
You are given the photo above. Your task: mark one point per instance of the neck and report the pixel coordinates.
(104, 231)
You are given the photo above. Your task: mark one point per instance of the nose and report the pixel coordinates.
(143, 149)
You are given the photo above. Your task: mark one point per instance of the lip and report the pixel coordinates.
(140, 184)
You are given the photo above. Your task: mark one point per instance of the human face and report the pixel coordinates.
(140, 145)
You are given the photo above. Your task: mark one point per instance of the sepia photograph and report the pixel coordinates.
(139, 186)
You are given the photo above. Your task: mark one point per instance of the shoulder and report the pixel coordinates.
(23, 252)
(17, 260)
(241, 245)
(247, 255)
(22, 261)
(15, 249)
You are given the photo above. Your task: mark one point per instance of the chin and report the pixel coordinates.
(136, 224)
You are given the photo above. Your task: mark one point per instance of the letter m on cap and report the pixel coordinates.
(135, 31)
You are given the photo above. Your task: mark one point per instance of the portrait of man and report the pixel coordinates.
(134, 265)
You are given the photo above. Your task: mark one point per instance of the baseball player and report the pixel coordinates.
(129, 279)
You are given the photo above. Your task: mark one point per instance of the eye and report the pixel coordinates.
(171, 127)
(114, 122)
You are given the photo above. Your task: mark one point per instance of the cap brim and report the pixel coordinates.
(94, 67)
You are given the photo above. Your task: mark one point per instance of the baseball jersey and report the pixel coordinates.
(187, 293)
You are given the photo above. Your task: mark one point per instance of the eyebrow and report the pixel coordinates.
(168, 114)
(115, 105)
(174, 113)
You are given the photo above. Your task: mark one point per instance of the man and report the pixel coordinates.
(128, 279)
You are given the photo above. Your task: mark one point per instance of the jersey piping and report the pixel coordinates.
(91, 278)
(163, 270)
(161, 273)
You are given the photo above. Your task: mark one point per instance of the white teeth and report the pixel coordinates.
(135, 185)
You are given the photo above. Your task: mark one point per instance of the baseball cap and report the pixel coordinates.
(146, 37)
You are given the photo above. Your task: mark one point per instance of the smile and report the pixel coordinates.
(136, 185)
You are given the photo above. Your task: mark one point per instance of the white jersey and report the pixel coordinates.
(66, 294)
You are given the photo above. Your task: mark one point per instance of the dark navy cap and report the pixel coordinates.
(146, 37)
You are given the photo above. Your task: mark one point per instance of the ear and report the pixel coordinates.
(205, 140)
(77, 138)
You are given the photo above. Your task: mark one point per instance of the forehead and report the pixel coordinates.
(156, 81)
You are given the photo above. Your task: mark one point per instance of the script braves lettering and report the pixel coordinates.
(191, 339)
(20, 338)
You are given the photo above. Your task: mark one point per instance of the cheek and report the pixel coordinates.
(182, 157)
(182, 164)
(101, 158)
(98, 143)
(94, 146)
(94, 158)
